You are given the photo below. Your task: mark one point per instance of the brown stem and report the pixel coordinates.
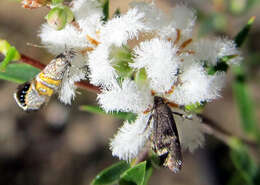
(39, 65)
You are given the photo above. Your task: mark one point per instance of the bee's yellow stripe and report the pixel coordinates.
(43, 89)
(49, 80)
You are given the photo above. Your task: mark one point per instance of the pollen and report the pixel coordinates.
(92, 40)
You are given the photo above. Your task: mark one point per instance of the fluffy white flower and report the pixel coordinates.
(154, 18)
(131, 138)
(119, 30)
(127, 98)
(161, 62)
(190, 132)
(100, 66)
(83, 9)
(211, 50)
(181, 17)
(75, 73)
(196, 85)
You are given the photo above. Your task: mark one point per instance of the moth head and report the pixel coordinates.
(158, 101)
(63, 60)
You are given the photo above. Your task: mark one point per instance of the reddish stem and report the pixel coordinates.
(39, 65)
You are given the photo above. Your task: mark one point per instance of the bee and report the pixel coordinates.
(165, 137)
(33, 95)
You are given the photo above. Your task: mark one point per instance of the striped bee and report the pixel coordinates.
(34, 94)
(165, 137)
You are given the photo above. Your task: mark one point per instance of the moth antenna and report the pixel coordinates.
(37, 46)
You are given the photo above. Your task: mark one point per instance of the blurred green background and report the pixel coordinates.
(61, 145)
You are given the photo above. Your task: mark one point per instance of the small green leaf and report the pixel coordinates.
(134, 175)
(19, 73)
(196, 107)
(8, 58)
(98, 110)
(111, 174)
(242, 35)
(148, 171)
(242, 161)
(244, 102)
(105, 7)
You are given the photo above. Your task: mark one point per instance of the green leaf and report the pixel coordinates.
(134, 175)
(242, 35)
(195, 108)
(8, 58)
(19, 73)
(121, 115)
(244, 102)
(111, 174)
(242, 161)
(148, 171)
(105, 7)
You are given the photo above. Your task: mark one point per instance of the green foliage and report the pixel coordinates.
(9, 52)
(242, 35)
(195, 108)
(121, 115)
(19, 73)
(243, 162)
(134, 175)
(240, 89)
(105, 7)
(111, 175)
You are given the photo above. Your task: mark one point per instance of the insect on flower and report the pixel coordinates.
(165, 137)
(34, 94)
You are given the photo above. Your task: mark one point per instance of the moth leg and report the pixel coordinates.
(189, 117)
(148, 123)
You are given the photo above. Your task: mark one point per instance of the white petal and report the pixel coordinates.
(131, 138)
(210, 50)
(190, 133)
(86, 8)
(196, 86)
(127, 98)
(183, 18)
(75, 73)
(119, 30)
(161, 62)
(154, 18)
(101, 70)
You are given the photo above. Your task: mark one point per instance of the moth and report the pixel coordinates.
(165, 137)
(34, 94)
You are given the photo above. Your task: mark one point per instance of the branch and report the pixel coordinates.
(39, 65)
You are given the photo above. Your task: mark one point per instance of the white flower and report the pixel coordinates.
(161, 62)
(196, 85)
(180, 18)
(211, 50)
(119, 30)
(190, 132)
(114, 33)
(127, 98)
(131, 138)
(72, 75)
